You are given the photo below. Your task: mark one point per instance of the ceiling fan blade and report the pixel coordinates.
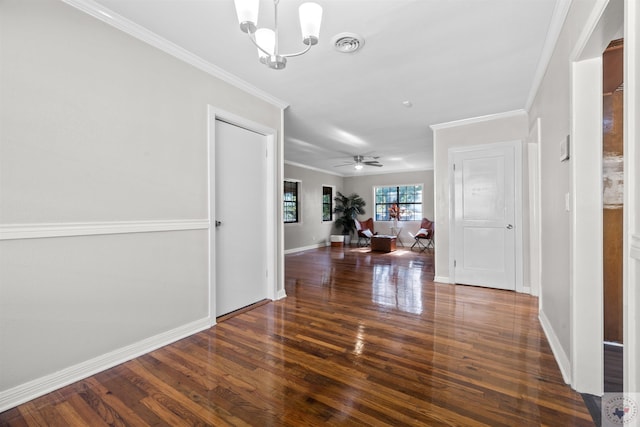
(373, 163)
(344, 164)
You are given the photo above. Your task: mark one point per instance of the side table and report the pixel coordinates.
(395, 231)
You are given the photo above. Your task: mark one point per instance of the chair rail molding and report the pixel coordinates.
(70, 229)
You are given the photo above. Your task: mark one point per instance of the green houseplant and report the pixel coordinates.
(347, 209)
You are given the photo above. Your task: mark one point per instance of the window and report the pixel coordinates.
(327, 203)
(290, 201)
(407, 199)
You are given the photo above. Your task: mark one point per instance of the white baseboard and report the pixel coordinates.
(281, 294)
(305, 248)
(30, 390)
(441, 279)
(561, 357)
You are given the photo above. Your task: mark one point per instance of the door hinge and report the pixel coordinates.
(454, 166)
(454, 263)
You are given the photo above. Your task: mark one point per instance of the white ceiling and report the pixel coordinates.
(452, 59)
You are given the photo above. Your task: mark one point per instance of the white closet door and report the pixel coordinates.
(240, 184)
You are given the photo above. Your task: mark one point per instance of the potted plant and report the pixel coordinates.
(347, 209)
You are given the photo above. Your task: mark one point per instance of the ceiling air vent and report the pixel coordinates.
(347, 42)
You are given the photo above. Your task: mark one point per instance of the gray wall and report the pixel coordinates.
(310, 231)
(101, 130)
(313, 232)
(553, 105)
(363, 186)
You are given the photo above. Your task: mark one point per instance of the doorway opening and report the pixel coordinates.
(612, 213)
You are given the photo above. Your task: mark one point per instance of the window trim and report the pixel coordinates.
(297, 201)
(333, 194)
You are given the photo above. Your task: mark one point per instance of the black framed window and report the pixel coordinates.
(405, 201)
(327, 203)
(290, 201)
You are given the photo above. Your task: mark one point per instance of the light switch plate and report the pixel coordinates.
(564, 149)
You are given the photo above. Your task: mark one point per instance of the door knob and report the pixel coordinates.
(509, 227)
(218, 223)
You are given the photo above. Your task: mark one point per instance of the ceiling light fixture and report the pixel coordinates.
(358, 166)
(266, 40)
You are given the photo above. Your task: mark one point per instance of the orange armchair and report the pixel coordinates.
(426, 232)
(365, 231)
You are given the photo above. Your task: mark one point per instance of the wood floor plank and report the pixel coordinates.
(362, 339)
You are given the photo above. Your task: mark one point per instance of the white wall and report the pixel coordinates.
(101, 133)
(552, 104)
(363, 186)
(310, 231)
(632, 203)
(484, 130)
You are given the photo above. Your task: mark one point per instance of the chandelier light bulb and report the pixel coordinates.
(310, 20)
(247, 11)
(266, 39)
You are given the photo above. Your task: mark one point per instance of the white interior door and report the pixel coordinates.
(240, 211)
(484, 217)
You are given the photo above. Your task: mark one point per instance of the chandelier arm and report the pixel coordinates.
(275, 27)
(302, 52)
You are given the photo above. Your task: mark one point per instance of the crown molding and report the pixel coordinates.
(355, 174)
(300, 165)
(553, 34)
(109, 17)
(479, 119)
(385, 172)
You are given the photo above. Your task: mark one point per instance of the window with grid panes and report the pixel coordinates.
(290, 201)
(327, 203)
(406, 198)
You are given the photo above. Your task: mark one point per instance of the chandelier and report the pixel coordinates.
(266, 40)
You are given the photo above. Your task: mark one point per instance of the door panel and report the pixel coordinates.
(480, 243)
(484, 217)
(240, 168)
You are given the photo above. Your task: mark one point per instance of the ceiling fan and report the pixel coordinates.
(360, 161)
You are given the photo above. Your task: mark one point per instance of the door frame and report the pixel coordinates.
(533, 143)
(272, 237)
(586, 287)
(518, 167)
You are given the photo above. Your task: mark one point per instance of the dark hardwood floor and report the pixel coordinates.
(362, 339)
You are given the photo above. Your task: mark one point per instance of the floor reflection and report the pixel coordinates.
(398, 287)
